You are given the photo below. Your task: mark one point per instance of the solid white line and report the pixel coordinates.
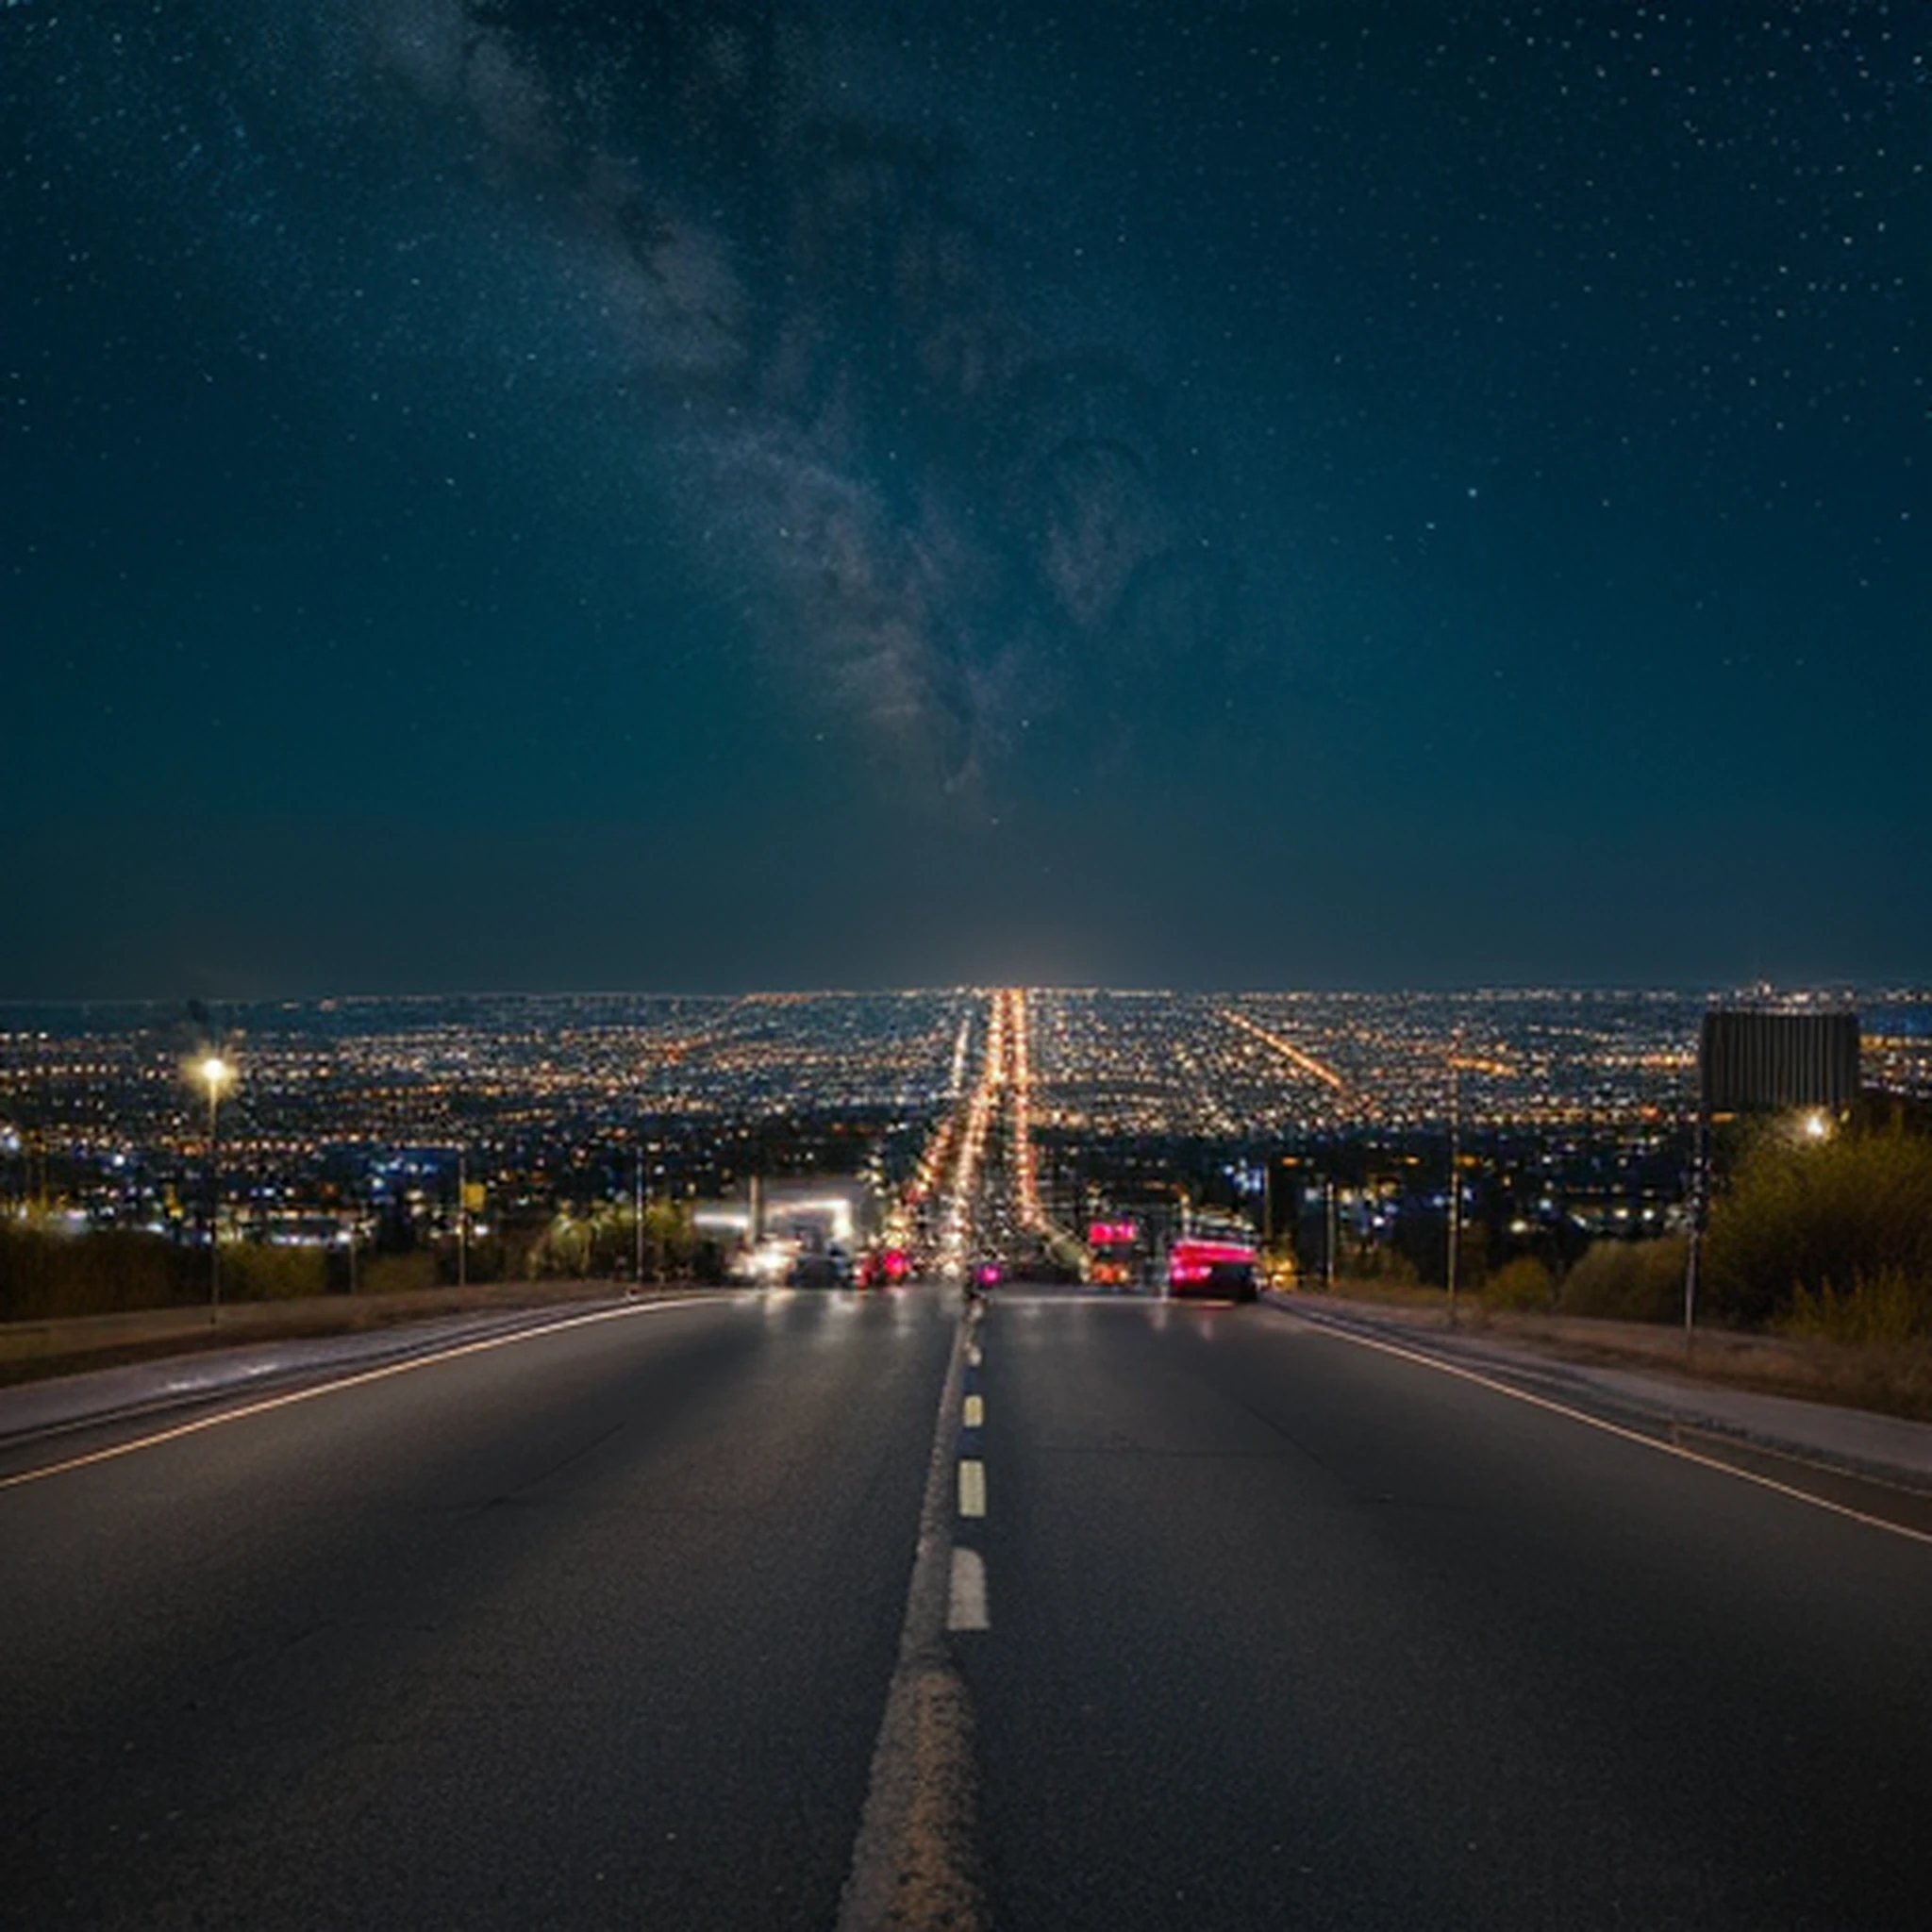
(355, 1381)
(975, 1417)
(967, 1609)
(972, 1488)
(1609, 1428)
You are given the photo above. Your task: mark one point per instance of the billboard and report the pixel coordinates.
(1752, 1062)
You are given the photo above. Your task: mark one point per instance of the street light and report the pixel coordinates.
(1452, 1253)
(216, 1074)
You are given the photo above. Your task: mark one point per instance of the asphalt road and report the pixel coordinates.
(1287, 1631)
(596, 1628)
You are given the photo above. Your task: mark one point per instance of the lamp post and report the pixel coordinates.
(215, 1073)
(1454, 1254)
(637, 1275)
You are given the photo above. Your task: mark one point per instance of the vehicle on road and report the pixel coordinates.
(882, 1268)
(1223, 1269)
(829, 1270)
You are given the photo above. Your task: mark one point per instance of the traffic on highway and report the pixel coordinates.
(969, 1598)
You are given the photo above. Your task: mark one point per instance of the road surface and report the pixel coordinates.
(592, 1629)
(597, 1628)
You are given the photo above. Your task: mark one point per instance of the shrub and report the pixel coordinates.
(45, 1275)
(1882, 1310)
(395, 1274)
(1629, 1281)
(1523, 1285)
(1839, 1220)
(252, 1272)
(604, 1243)
(1371, 1261)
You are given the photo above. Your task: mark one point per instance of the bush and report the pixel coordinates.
(1629, 1281)
(397, 1273)
(1371, 1261)
(604, 1243)
(1847, 1222)
(252, 1272)
(1883, 1312)
(44, 1276)
(1525, 1285)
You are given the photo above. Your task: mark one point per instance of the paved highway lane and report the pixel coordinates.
(1285, 1631)
(592, 1629)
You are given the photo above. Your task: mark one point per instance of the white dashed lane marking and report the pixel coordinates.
(967, 1609)
(971, 1487)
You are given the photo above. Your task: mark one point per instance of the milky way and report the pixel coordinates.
(1331, 489)
(948, 528)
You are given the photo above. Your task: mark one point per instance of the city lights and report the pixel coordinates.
(967, 1107)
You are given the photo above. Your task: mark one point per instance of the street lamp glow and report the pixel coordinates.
(1816, 1125)
(215, 1073)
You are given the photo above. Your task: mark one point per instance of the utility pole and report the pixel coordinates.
(637, 1221)
(215, 1072)
(214, 1193)
(1455, 1170)
(1700, 1188)
(462, 1219)
(1328, 1220)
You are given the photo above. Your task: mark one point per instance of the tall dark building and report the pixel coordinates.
(1748, 1062)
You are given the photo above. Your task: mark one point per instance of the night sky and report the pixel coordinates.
(535, 494)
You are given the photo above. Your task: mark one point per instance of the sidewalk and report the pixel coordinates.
(167, 1382)
(1858, 1441)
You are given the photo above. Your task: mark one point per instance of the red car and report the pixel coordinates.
(882, 1268)
(1211, 1267)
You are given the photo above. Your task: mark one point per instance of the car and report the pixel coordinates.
(881, 1268)
(1222, 1269)
(817, 1271)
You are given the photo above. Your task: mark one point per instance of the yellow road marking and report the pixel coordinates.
(975, 1417)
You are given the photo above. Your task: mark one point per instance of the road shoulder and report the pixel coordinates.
(1891, 1451)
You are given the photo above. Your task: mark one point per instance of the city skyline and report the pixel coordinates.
(1024, 1112)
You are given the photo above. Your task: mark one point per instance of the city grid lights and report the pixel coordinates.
(951, 1096)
